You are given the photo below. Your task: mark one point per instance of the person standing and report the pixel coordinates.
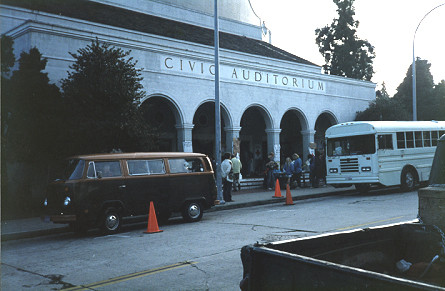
(288, 169)
(297, 169)
(312, 174)
(226, 173)
(236, 166)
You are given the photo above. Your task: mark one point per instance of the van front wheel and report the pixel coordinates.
(111, 221)
(192, 211)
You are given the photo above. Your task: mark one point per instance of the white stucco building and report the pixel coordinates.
(271, 100)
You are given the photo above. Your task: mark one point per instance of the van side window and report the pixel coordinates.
(186, 165)
(385, 142)
(145, 167)
(104, 169)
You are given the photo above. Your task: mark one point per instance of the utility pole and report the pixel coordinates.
(217, 113)
(414, 66)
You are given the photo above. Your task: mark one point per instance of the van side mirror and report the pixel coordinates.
(99, 174)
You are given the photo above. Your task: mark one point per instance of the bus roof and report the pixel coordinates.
(139, 155)
(371, 127)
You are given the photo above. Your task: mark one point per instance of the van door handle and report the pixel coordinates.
(123, 186)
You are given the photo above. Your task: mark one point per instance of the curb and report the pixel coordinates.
(226, 206)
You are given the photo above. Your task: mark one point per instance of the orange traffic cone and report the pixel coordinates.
(277, 190)
(152, 221)
(289, 200)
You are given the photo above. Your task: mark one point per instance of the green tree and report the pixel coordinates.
(33, 111)
(383, 108)
(8, 58)
(427, 103)
(344, 53)
(439, 95)
(103, 92)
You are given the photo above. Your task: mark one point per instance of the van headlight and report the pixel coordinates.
(366, 169)
(67, 201)
(333, 170)
(45, 203)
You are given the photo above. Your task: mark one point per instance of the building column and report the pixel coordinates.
(273, 142)
(308, 138)
(232, 139)
(184, 133)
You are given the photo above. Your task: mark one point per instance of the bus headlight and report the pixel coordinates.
(366, 169)
(333, 170)
(67, 201)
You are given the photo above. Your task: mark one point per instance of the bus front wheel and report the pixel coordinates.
(408, 180)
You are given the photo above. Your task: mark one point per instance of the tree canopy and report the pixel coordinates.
(103, 92)
(32, 111)
(430, 98)
(344, 53)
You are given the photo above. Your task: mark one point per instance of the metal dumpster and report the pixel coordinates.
(364, 259)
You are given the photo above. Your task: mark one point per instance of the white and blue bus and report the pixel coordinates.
(387, 153)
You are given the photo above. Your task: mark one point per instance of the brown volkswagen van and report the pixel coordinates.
(104, 189)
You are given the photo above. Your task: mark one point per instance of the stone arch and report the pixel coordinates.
(254, 122)
(164, 115)
(203, 134)
(325, 120)
(293, 123)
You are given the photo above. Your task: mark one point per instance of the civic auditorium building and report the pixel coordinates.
(271, 100)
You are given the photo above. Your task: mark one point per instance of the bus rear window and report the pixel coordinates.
(351, 145)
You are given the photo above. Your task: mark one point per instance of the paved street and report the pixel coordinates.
(188, 256)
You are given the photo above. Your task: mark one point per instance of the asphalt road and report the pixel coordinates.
(188, 256)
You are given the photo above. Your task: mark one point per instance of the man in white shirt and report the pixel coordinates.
(226, 174)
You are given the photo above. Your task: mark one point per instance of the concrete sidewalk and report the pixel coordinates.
(34, 227)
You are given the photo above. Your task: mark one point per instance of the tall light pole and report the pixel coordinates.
(414, 66)
(217, 112)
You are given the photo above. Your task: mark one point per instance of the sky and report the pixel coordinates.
(389, 25)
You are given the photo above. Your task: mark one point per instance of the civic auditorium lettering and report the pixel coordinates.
(195, 67)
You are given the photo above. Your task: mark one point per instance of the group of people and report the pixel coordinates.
(230, 172)
(293, 169)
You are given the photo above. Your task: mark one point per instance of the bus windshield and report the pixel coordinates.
(351, 145)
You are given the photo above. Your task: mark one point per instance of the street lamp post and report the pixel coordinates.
(217, 113)
(414, 65)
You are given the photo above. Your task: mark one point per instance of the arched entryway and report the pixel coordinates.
(291, 137)
(162, 115)
(203, 135)
(253, 141)
(324, 121)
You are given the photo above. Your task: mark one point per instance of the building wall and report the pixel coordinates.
(183, 74)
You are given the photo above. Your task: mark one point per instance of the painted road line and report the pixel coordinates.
(369, 223)
(131, 276)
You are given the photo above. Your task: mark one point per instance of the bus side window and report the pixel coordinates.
(426, 139)
(385, 142)
(418, 139)
(434, 138)
(409, 139)
(401, 140)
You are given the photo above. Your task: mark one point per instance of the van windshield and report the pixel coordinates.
(73, 169)
(351, 145)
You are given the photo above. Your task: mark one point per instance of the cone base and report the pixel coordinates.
(154, 231)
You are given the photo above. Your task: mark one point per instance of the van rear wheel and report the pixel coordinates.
(192, 211)
(111, 221)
